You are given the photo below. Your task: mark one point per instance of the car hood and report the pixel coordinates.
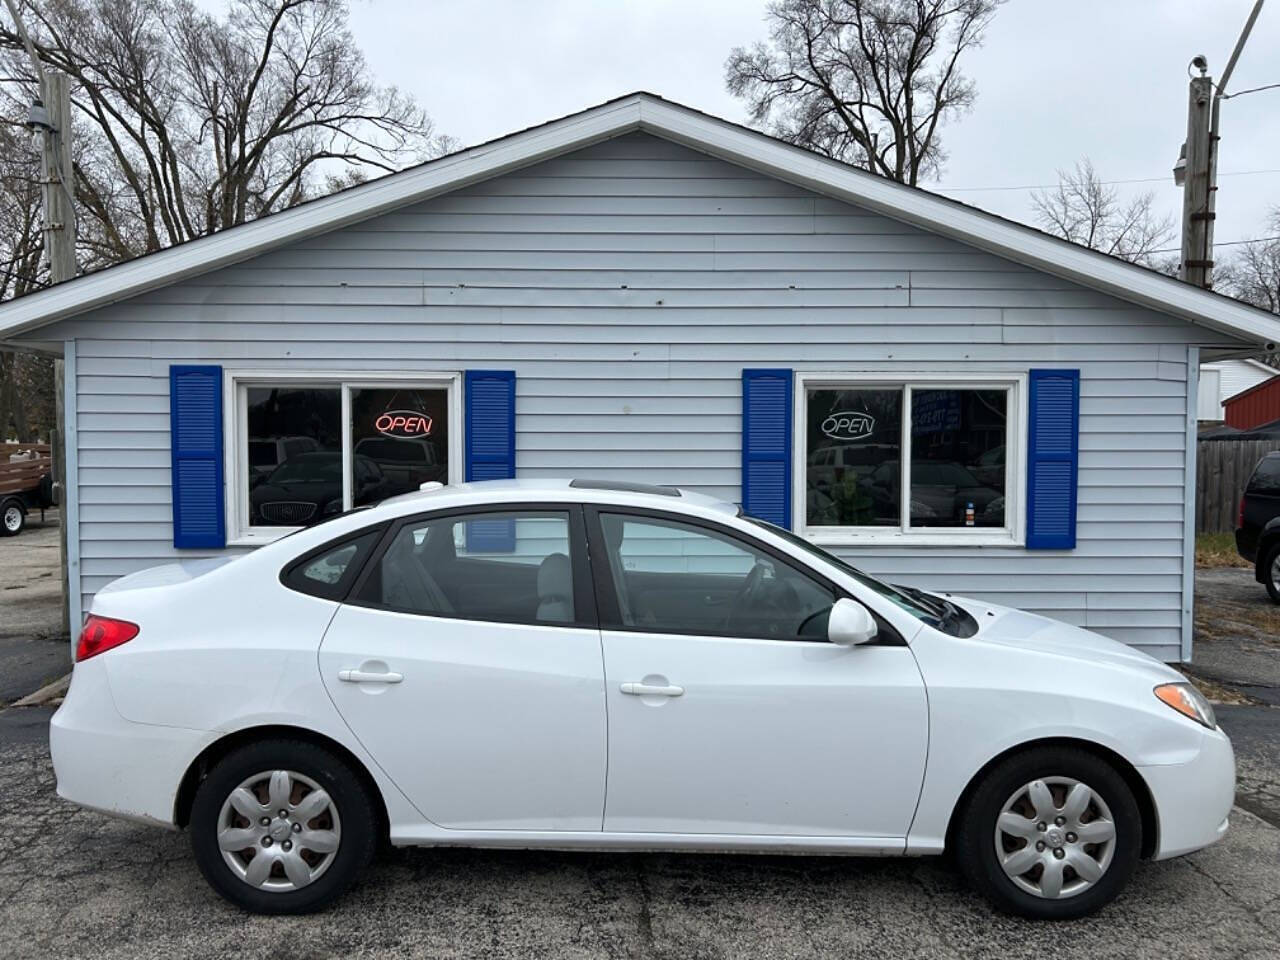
(1006, 626)
(166, 575)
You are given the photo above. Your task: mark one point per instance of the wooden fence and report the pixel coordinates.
(1223, 467)
(23, 474)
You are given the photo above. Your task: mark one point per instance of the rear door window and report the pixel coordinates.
(513, 566)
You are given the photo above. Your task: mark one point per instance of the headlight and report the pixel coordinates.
(1188, 701)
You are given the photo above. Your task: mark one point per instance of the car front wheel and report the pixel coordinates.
(282, 827)
(1053, 833)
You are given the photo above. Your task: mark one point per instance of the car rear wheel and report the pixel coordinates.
(1271, 572)
(12, 518)
(1053, 833)
(282, 826)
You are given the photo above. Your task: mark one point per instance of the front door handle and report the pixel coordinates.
(652, 690)
(366, 676)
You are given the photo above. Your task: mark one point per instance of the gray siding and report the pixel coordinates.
(628, 284)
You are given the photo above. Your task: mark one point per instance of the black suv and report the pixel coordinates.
(1258, 524)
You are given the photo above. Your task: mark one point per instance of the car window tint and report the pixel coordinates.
(507, 567)
(673, 577)
(330, 571)
(1266, 478)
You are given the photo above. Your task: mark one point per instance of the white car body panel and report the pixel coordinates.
(224, 647)
(495, 726)
(722, 757)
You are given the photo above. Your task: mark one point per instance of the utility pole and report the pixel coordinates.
(1197, 190)
(50, 116)
(1197, 169)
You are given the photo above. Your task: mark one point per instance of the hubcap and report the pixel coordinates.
(1275, 571)
(1055, 837)
(12, 519)
(279, 831)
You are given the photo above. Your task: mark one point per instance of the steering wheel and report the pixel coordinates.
(763, 602)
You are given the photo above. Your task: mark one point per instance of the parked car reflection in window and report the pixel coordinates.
(308, 488)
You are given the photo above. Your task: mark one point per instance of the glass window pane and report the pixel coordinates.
(853, 456)
(399, 441)
(958, 458)
(672, 577)
(294, 455)
(429, 569)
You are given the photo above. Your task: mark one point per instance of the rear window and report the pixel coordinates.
(1266, 478)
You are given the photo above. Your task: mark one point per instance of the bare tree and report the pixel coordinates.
(189, 122)
(869, 82)
(1086, 211)
(1252, 273)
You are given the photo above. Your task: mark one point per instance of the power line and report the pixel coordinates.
(1223, 243)
(1241, 93)
(1050, 186)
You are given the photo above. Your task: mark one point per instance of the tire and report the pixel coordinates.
(1031, 894)
(13, 518)
(1270, 571)
(344, 829)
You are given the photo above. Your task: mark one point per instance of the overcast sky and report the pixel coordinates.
(1057, 80)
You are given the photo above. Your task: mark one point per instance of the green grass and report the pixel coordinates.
(1218, 550)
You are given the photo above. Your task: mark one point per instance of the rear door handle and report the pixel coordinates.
(652, 690)
(366, 676)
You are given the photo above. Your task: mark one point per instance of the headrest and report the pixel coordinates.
(555, 576)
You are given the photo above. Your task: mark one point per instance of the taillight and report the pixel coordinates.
(1240, 515)
(101, 634)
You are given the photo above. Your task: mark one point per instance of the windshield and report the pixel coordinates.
(309, 468)
(899, 598)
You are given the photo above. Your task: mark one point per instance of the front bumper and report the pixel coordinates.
(1193, 799)
(113, 765)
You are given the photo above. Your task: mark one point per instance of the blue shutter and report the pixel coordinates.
(195, 443)
(766, 445)
(1053, 459)
(491, 449)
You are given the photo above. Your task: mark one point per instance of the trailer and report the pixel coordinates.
(26, 484)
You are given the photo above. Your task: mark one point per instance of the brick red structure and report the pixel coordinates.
(1253, 407)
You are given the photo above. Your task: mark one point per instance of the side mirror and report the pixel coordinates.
(850, 624)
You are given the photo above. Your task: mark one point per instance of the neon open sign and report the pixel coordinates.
(403, 424)
(849, 426)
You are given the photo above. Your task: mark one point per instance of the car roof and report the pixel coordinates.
(570, 490)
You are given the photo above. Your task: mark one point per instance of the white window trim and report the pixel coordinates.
(1014, 532)
(236, 432)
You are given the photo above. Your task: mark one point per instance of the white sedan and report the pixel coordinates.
(595, 665)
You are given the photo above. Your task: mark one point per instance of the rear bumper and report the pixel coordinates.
(1193, 799)
(112, 765)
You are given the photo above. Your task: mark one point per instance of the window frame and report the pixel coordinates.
(1012, 534)
(610, 617)
(236, 438)
(584, 601)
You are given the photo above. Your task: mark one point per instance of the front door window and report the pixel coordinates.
(675, 577)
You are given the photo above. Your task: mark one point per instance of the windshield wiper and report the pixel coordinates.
(946, 611)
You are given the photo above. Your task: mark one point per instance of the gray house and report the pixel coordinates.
(644, 292)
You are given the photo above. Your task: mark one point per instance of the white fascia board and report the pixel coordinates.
(965, 224)
(317, 216)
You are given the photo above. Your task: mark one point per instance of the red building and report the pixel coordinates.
(1255, 406)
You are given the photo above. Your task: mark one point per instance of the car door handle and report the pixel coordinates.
(366, 676)
(652, 690)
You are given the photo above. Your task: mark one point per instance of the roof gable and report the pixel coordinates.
(645, 112)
